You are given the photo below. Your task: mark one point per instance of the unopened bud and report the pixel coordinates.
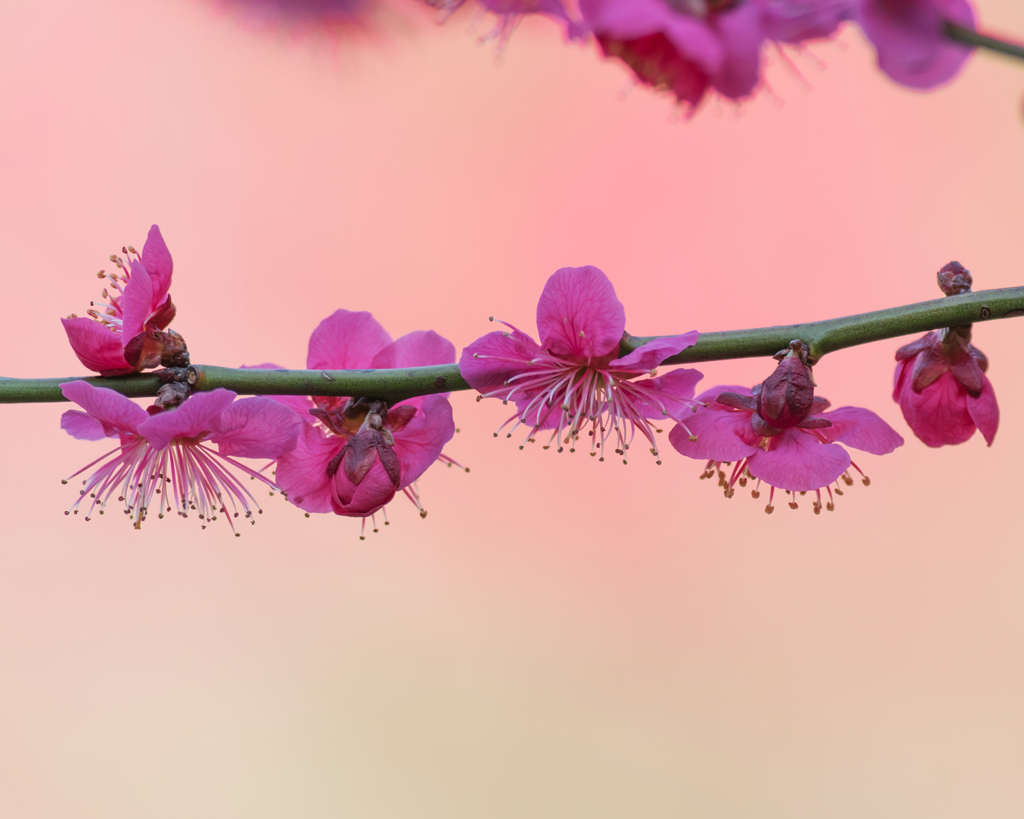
(787, 395)
(954, 279)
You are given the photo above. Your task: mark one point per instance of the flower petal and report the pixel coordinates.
(911, 41)
(114, 411)
(709, 396)
(256, 427)
(669, 395)
(97, 347)
(493, 359)
(985, 411)
(799, 462)
(938, 414)
(861, 429)
(346, 340)
(719, 435)
(372, 493)
(422, 348)
(419, 443)
(302, 473)
(644, 359)
(578, 315)
(138, 302)
(742, 32)
(157, 260)
(197, 416)
(83, 426)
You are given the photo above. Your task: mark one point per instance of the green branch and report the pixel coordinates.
(821, 337)
(975, 38)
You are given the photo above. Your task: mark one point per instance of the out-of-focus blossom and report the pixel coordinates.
(940, 382)
(911, 41)
(332, 17)
(354, 455)
(799, 454)
(168, 459)
(575, 379)
(511, 12)
(127, 331)
(689, 47)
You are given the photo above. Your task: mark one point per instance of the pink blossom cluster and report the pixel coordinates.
(575, 388)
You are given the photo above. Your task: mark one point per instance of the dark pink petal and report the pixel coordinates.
(699, 45)
(742, 32)
(196, 417)
(914, 347)
(490, 361)
(578, 314)
(369, 496)
(422, 348)
(626, 20)
(938, 414)
(302, 473)
(793, 21)
(985, 411)
(419, 443)
(799, 462)
(644, 359)
(256, 428)
(97, 347)
(83, 426)
(904, 367)
(861, 429)
(156, 258)
(719, 436)
(667, 396)
(299, 404)
(138, 302)
(709, 396)
(114, 411)
(910, 38)
(346, 341)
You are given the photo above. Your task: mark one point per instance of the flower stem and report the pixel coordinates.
(976, 38)
(821, 337)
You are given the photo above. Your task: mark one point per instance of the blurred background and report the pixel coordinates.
(559, 638)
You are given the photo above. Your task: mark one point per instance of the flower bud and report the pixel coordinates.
(954, 279)
(785, 398)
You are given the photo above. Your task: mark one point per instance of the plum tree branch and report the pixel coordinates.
(821, 337)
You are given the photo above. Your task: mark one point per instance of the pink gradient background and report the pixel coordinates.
(558, 638)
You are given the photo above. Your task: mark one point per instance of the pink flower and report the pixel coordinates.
(510, 12)
(169, 453)
(575, 379)
(354, 455)
(691, 46)
(911, 41)
(941, 387)
(940, 380)
(804, 456)
(127, 333)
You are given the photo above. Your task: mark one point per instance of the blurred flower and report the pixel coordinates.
(911, 41)
(804, 456)
(169, 454)
(940, 382)
(299, 16)
(354, 455)
(575, 379)
(510, 12)
(127, 332)
(691, 46)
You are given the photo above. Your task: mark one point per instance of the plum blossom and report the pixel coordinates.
(940, 382)
(511, 12)
(690, 47)
(910, 38)
(574, 382)
(354, 454)
(127, 332)
(167, 458)
(779, 433)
